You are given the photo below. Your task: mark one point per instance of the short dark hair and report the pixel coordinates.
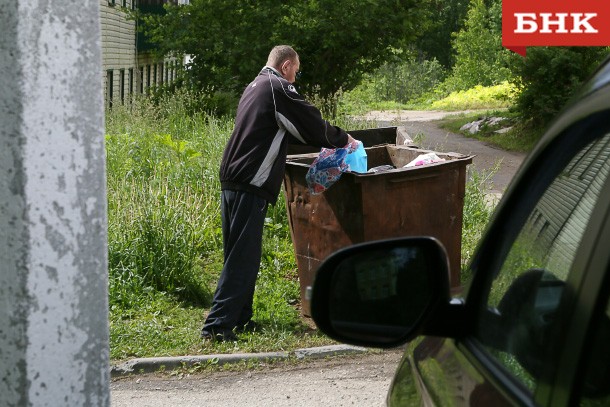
(281, 53)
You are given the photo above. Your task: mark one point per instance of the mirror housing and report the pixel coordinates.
(382, 293)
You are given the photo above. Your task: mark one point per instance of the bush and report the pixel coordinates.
(407, 81)
(549, 76)
(479, 97)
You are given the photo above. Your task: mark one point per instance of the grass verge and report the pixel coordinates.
(521, 137)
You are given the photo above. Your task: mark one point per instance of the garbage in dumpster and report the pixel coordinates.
(331, 163)
(423, 159)
(381, 168)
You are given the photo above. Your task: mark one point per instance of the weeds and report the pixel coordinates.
(165, 240)
(478, 209)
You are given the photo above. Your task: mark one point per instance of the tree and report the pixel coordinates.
(225, 39)
(435, 41)
(549, 76)
(342, 40)
(480, 58)
(338, 40)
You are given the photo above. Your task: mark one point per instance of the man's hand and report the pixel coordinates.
(350, 140)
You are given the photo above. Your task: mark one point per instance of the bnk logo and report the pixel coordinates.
(554, 23)
(549, 23)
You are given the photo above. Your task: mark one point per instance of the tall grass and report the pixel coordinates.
(478, 208)
(163, 210)
(163, 224)
(165, 240)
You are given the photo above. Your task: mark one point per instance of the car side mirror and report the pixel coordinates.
(380, 293)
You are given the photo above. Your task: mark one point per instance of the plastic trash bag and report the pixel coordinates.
(329, 165)
(423, 159)
(381, 168)
(357, 159)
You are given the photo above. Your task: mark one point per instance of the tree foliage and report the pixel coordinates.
(398, 80)
(480, 58)
(435, 41)
(338, 40)
(549, 76)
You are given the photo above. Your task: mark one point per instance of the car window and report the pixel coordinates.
(521, 307)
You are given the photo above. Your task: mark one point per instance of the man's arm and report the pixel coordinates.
(304, 121)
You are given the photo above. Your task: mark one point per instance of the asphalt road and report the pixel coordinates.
(339, 381)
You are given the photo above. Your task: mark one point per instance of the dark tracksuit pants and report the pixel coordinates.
(243, 217)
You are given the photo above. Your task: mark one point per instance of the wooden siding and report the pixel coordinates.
(125, 70)
(118, 49)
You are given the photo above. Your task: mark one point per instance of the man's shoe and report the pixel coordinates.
(217, 336)
(250, 326)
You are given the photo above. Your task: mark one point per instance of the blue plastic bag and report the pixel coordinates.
(357, 160)
(332, 162)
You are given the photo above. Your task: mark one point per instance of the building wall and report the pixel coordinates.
(118, 50)
(126, 70)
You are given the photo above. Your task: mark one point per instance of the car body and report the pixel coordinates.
(533, 326)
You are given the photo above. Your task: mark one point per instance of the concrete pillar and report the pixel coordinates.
(53, 256)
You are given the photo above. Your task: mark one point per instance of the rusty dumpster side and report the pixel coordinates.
(425, 200)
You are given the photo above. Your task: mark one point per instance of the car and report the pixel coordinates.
(533, 325)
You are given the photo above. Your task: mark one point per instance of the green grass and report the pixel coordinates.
(477, 212)
(165, 242)
(359, 101)
(495, 100)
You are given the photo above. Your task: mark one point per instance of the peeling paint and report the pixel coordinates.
(54, 328)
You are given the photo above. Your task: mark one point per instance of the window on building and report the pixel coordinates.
(141, 70)
(147, 78)
(122, 86)
(109, 87)
(130, 81)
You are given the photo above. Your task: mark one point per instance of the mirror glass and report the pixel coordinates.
(380, 294)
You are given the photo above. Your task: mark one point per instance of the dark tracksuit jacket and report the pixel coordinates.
(270, 115)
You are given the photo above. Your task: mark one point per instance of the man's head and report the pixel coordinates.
(285, 59)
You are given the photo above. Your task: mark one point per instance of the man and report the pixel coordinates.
(270, 115)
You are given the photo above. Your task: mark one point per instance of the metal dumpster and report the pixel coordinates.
(425, 200)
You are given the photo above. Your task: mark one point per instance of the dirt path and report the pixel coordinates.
(434, 138)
